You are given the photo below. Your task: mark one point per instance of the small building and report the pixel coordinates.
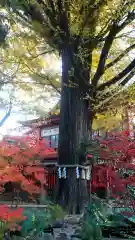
(48, 129)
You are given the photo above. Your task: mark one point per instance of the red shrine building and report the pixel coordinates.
(47, 129)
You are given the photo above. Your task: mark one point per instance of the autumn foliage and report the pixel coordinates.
(118, 154)
(20, 162)
(9, 218)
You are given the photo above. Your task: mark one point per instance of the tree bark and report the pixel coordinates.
(75, 123)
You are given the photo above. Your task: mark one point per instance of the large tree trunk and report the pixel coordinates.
(74, 128)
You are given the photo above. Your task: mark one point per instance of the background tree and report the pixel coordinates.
(22, 74)
(118, 152)
(75, 30)
(25, 72)
(29, 71)
(3, 35)
(23, 156)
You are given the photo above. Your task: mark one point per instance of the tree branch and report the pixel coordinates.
(111, 64)
(50, 82)
(2, 121)
(104, 54)
(117, 78)
(49, 11)
(63, 21)
(43, 53)
(53, 7)
(115, 29)
(127, 79)
(89, 15)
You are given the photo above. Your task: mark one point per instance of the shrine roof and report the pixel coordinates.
(50, 119)
(39, 122)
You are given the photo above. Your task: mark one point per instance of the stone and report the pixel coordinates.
(62, 236)
(74, 219)
(58, 224)
(47, 236)
(75, 237)
(68, 228)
